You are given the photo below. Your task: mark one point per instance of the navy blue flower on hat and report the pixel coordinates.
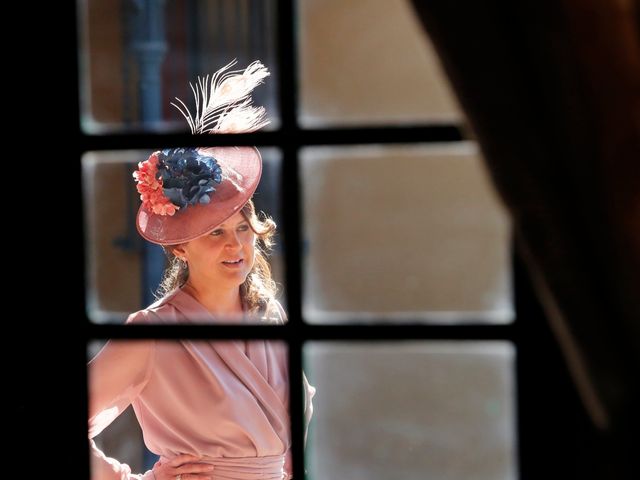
(188, 177)
(175, 178)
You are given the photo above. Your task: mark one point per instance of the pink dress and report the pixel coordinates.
(226, 401)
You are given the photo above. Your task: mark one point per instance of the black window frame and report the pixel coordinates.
(529, 332)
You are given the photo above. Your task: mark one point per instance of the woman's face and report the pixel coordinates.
(225, 256)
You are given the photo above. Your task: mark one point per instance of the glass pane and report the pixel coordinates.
(123, 269)
(191, 396)
(412, 410)
(368, 62)
(403, 232)
(136, 57)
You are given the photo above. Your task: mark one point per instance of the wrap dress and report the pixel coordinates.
(226, 401)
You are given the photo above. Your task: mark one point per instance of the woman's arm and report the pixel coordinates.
(309, 392)
(117, 375)
(106, 468)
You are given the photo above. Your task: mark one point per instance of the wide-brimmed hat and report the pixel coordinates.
(211, 203)
(187, 192)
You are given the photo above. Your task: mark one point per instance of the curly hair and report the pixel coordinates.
(258, 289)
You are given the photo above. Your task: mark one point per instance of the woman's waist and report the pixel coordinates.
(269, 467)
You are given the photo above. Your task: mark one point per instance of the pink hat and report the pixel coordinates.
(187, 192)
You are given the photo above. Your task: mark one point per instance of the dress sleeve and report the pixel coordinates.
(309, 390)
(105, 468)
(117, 375)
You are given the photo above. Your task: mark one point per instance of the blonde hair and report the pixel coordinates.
(258, 289)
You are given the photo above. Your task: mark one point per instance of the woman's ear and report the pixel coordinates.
(178, 250)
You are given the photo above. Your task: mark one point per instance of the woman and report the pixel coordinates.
(209, 409)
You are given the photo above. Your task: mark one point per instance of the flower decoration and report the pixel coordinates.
(188, 177)
(175, 178)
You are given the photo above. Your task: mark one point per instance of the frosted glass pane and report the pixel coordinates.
(114, 249)
(135, 57)
(368, 62)
(432, 410)
(403, 232)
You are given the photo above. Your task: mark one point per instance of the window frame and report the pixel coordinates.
(525, 332)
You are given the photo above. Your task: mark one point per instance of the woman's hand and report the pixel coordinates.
(182, 467)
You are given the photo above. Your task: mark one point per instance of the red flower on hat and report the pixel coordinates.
(149, 187)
